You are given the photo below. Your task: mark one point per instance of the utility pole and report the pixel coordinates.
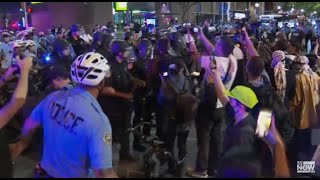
(214, 12)
(24, 7)
(222, 8)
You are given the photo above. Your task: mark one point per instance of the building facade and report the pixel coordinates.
(87, 14)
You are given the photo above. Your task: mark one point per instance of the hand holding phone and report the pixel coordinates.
(213, 62)
(196, 30)
(264, 123)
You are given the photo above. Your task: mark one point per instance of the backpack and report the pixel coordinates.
(185, 104)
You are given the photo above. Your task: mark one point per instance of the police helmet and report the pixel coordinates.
(75, 28)
(5, 34)
(29, 43)
(119, 46)
(18, 43)
(162, 46)
(144, 48)
(98, 36)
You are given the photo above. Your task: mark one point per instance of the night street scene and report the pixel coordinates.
(159, 90)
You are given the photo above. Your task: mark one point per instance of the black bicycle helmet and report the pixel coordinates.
(119, 46)
(162, 46)
(75, 28)
(144, 48)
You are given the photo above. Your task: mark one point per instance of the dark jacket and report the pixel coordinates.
(291, 85)
(78, 45)
(269, 99)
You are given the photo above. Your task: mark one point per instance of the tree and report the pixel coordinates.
(185, 6)
(307, 6)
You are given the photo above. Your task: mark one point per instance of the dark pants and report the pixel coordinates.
(168, 129)
(300, 148)
(119, 115)
(209, 126)
(143, 109)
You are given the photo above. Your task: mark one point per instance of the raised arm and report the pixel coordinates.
(209, 46)
(251, 50)
(20, 93)
(214, 77)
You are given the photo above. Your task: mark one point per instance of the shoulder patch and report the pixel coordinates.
(107, 138)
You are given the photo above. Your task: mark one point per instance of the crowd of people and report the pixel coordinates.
(83, 89)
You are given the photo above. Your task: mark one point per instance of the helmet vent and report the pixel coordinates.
(97, 71)
(92, 77)
(95, 61)
(88, 57)
(82, 68)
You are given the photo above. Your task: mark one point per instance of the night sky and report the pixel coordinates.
(9, 7)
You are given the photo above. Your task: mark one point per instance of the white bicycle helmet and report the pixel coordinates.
(104, 28)
(5, 33)
(90, 69)
(29, 43)
(18, 43)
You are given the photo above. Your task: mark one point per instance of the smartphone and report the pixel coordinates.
(165, 74)
(14, 61)
(196, 30)
(213, 62)
(264, 122)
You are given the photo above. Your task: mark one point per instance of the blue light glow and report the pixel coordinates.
(47, 58)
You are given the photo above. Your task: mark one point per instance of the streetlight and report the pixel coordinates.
(279, 7)
(257, 5)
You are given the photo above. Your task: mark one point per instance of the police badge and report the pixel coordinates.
(107, 138)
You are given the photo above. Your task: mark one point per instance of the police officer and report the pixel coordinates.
(129, 38)
(44, 42)
(143, 99)
(76, 42)
(61, 54)
(101, 44)
(6, 51)
(77, 136)
(118, 105)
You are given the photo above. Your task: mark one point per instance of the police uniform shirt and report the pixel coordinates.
(78, 45)
(7, 50)
(139, 69)
(77, 134)
(121, 78)
(51, 38)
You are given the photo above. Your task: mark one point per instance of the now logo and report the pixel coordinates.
(305, 167)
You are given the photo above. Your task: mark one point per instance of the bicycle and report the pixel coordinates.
(156, 155)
